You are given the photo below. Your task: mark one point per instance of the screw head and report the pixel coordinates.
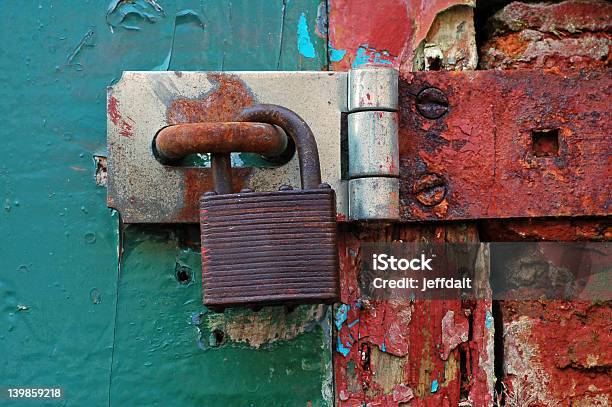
(210, 193)
(430, 189)
(285, 188)
(246, 190)
(432, 103)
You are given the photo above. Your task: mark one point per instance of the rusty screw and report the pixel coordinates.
(430, 189)
(432, 103)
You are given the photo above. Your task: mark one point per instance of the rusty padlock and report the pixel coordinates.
(265, 248)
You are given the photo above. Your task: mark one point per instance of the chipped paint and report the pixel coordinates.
(113, 287)
(133, 14)
(125, 126)
(396, 28)
(305, 46)
(567, 35)
(370, 56)
(454, 332)
(335, 55)
(489, 320)
(265, 327)
(552, 350)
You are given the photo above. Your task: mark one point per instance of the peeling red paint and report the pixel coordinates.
(393, 29)
(389, 352)
(561, 350)
(455, 331)
(556, 352)
(117, 119)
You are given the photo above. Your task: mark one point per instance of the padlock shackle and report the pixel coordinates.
(296, 128)
(221, 166)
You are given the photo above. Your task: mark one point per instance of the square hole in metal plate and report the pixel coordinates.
(545, 142)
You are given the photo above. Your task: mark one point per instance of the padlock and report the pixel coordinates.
(267, 248)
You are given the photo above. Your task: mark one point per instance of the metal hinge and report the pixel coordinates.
(144, 189)
(373, 157)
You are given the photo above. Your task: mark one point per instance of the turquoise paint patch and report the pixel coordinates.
(434, 386)
(335, 55)
(489, 320)
(305, 46)
(383, 347)
(367, 55)
(352, 324)
(341, 315)
(343, 349)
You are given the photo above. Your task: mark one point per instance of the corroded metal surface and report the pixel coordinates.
(553, 352)
(568, 35)
(178, 141)
(262, 248)
(484, 150)
(296, 128)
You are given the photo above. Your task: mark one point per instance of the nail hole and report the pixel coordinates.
(434, 64)
(216, 337)
(545, 142)
(182, 273)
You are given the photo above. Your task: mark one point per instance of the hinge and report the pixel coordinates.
(373, 144)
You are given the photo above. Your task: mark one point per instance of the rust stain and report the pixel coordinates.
(125, 128)
(199, 180)
(223, 104)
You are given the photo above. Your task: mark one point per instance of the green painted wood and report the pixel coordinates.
(70, 316)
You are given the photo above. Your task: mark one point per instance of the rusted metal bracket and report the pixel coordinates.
(505, 144)
(479, 144)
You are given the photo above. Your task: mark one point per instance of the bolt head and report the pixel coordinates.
(210, 193)
(246, 190)
(432, 103)
(430, 189)
(285, 188)
(324, 185)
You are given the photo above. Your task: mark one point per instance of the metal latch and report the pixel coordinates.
(145, 186)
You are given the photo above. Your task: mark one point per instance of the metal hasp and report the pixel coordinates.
(190, 112)
(373, 144)
(475, 144)
(263, 248)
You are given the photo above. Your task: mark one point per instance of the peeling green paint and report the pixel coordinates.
(69, 316)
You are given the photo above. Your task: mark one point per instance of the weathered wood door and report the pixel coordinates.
(112, 313)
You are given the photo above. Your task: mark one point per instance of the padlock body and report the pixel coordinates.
(264, 248)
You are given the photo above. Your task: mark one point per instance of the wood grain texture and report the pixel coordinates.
(389, 353)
